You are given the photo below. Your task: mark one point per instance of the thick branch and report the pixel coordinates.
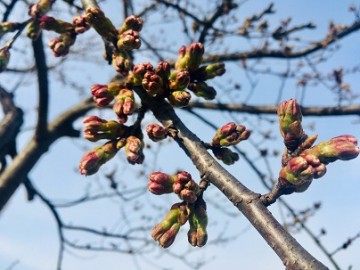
(17, 172)
(270, 109)
(292, 254)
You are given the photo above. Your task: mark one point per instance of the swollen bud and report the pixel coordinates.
(190, 57)
(290, 117)
(179, 98)
(201, 89)
(230, 134)
(97, 19)
(156, 132)
(134, 150)
(226, 155)
(96, 128)
(210, 71)
(198, 219)
(160, 183)
(94, 159)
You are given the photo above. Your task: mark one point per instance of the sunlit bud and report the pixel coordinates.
(131, 23)
(179, 98)
(185, 187)
(103, 94)
(153, 84)
(290, 117)
(190, 57)
(40, 8)
(297, 171)
(124, 104)
(179, 79)
(208, 72)
(166, 231)
(96, 128)
(121, 62)
(201, 89)
(6, 27)
(342, 147)
(226, 155)
(61, 45)
(80, 24)
(138, 72)
(52, 24)
(230, 134)
(4, 58)
(156, 132)
(160, 183)
(129, 40)
(33, 30)
(92, 160)
(134, 150)
(97, 19)
(198, 219)
(163, 70)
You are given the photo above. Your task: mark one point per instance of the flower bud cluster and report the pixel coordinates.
(225, 155)
(181, 184)
(134, 150)
(95, 158)
(198, 219)
(36, 11)
(230, 134)
(156, 132)
(165, 232)
(96, 128)
(61, 45)
(304, 162)
(124, 104)
(291, 130)
(104, 94)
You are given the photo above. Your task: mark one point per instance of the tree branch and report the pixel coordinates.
(272, 109)
(17, 172)
(256, 54)
(292, 254)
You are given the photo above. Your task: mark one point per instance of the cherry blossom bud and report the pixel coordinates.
(103, 94)
(226, 155)
(343, 147)
(230, 134)
(131, 23)
(102, 25)
(134, 150)
(166, 231)
(80, 24)
(61, 45)
(153, 84)
(179, 98)
(160, 183)
(201, 89)
(137, 74)
(33, 30)
(179, 79)
(208, 72)
(297, 172)
(156, 132)
(121, 62)
(124, 104)
(92, 160)
(290, 117)
(96, 128)
(129, 40)
(40, 8)
(6, 27)
(185, 187)
(190, 57)
(198, 219)
(163, 70)
(4, 58)
(58, 26)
